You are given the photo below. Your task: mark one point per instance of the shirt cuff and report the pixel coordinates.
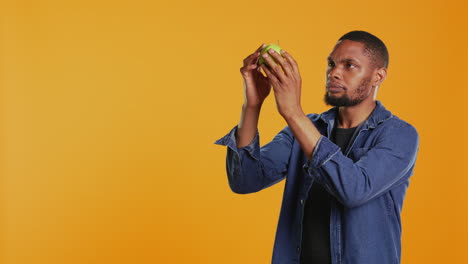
(229, 140)
(324, 151)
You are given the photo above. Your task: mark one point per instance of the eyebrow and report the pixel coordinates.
(344, 60)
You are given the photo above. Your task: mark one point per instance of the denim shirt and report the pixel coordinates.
(367, 182)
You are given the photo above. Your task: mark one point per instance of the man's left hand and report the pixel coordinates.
(286, 82)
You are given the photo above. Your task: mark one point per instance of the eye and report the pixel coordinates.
(330, 63)
(349, 65)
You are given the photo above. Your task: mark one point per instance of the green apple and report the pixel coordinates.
(277, 48)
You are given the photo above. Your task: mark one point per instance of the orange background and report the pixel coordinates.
(110, 109)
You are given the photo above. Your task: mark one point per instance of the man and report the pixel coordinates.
(346, 169)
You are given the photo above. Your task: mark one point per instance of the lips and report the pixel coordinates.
(334, 87)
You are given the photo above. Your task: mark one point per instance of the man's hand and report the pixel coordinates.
(256, 86)
(286, 82)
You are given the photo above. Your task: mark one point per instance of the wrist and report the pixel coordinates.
(293, 114)
(252, 107)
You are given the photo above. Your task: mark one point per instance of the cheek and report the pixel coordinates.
(354, 79)
(364, 87)
(351, 81)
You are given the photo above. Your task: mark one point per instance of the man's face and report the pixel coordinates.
(349, 75)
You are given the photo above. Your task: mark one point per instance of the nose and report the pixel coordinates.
(334, 73)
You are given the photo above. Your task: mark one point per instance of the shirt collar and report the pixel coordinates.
(378, 115)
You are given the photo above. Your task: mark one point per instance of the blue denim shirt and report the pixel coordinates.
(367, 183)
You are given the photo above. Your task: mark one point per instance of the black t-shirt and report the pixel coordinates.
(316, 222)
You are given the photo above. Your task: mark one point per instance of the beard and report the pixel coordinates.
(346, 100)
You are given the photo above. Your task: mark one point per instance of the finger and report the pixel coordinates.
(261, 47)
(251, 58)
(260, 74)
(254, 56)
(274, 68)
(259, 69)
(291, 60)
(247, 68)
(271, 77)
(251, 66)
(258, 51)
(282, 61)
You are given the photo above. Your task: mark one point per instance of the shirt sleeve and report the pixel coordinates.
(253, 168)
(376, 170)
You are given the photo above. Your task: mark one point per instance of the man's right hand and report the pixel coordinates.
(256, 86)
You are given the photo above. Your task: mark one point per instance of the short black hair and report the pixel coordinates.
(373, 46)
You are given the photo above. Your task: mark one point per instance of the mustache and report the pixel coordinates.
(328, 85)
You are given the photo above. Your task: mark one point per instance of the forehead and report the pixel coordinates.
(348, 49)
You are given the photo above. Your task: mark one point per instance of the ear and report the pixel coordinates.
(379, 76)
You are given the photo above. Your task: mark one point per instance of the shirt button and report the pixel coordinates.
(302, 201)
(298, 249)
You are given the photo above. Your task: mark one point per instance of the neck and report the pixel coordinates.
(352, 116)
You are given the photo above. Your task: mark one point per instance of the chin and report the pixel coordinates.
(339, 101)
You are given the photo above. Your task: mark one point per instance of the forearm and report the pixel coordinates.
(247, 127)
(304, 131)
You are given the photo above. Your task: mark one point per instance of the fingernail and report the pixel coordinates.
(265, 55)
